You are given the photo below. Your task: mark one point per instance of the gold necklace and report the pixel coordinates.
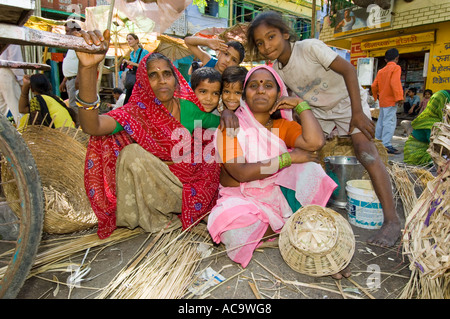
(269, 123)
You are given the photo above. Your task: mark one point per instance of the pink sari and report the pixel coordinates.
(243, 214)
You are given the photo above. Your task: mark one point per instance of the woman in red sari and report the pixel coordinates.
(131, 176)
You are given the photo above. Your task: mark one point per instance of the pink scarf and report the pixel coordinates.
(243, 214)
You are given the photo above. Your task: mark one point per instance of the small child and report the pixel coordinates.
(426, 97)
(232, 85)
(412, 102)
(206, 83)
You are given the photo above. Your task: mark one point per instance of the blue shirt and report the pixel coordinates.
(413, 100)
(212, 62)
(134, 55)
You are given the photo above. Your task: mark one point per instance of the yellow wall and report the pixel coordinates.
(438, 72)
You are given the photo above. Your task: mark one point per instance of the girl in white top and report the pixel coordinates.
(329, 83)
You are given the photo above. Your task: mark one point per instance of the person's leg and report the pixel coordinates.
(71, 91)
(10, 94)
(379, 124)
(389, 124)
(367, 154)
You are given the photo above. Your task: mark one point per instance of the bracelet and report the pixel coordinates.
(85, 105)
(284, 160)
(302, 107)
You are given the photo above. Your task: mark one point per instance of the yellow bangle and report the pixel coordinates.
(302, 107)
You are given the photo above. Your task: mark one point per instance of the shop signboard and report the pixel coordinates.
(439, 67)
(395, 42)
(356, 19)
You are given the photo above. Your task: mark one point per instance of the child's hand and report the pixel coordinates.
(217, 45)
(301, 156)
(229, 121)
(364, 124)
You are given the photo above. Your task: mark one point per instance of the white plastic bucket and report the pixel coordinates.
(363, 207)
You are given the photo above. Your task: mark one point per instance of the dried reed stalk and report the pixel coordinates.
(165, 272)
(409, 181)
(47, 257)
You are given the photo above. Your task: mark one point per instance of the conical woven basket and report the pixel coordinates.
(60, 161)
(317, 241)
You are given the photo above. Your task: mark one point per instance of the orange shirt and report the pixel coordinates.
(387, 86)
(229, 148)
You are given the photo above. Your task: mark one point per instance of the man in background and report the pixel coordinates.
(11, 83)
(70, 69)
(387, 87)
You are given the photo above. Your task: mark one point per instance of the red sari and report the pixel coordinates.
(147, 122)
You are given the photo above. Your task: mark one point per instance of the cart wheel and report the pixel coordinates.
(21, 210)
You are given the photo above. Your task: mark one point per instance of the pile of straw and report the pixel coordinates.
(50, 254)
(426, 238)
(162, 270)
(343, 145)
(60, 161)
(426, 241)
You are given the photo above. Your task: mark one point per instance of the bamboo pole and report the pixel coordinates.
(108, 27)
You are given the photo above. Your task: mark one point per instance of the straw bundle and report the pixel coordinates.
(68, 246)
(343, 145)
(165, 269)
(60, 161)
(439, 148)
(317, 241)
(426, 241)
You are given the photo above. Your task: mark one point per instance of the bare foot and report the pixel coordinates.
(346, 272)
(386, 236)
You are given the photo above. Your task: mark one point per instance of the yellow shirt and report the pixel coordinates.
(58, 113)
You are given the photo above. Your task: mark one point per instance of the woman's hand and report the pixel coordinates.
(301, 156)
(286, 102)
(97, 38)
(229, 120)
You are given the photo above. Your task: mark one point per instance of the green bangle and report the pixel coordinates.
(284, 160)
(301, 107)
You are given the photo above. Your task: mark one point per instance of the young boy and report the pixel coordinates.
(206, 82)
(229, 54)
(387, 87)
(412, 102)
(232, 85)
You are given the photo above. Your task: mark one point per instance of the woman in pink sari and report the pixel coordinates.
(269, 158)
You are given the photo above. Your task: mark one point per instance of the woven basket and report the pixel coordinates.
(343, 145)
(60, 162)
(317, 241)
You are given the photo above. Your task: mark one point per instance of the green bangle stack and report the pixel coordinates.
(284, 160)
(302, 107)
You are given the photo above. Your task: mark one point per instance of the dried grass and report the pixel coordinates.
(162, 270)
(51, 253)
(426, 241)
(409, 181)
